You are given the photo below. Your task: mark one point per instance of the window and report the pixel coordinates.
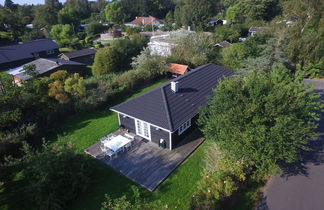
(184, 127)
(50, 52)
(139, 127)
(143, 129)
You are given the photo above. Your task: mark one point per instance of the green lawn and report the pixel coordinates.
(88, 129)
(65, 49)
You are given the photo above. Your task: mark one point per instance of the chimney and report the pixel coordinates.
(175, 86)
(57, 62)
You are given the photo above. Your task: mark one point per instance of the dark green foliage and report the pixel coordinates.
(305, 35)
(200, 50)
(82, 7)
(31, 34)
(68, 15)
(230, 33)
(10, 24)
(263, 119)
(94, 28)
(114, 12)
(253, 10)
(8, 4)
(64, 35)
(50, 177)
(315, 70)
(123, 203)
(235, 55)
(118, 57)
(195, 13)
(272, 55)
(155, 8)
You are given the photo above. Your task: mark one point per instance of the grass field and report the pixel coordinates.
(86, 130)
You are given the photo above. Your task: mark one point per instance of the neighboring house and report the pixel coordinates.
(143, 21)
(254, 30)
(176, 70)
(115, 33)
(15, 55)
(223, 44)
(162, 44)
(85, 56)
(215, 22)
(45, 67)
(169, 112)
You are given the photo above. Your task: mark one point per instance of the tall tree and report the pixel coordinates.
(263, 119)
(63, 34)
(82, 7)
(8, 4)
(44, 16)
(68, 15)
(195, 13)
(305, 35)
(114, 12)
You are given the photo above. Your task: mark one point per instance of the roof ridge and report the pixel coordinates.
(166, 106)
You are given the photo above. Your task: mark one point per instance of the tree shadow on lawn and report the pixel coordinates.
(315, 156)
(81, 122)
(105, 181)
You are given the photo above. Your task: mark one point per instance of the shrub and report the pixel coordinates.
(315, 70)
(212, 189)
(200, 50)
(122, 203)
(51, 177)
(118, 57)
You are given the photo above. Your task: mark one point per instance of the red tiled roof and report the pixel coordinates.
(144, 20)
(177, 68)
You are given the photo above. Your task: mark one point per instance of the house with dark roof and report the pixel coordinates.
(223, 44)
(176, 70)
(169, 112)
(215, 22)
(254, 30)
(45, 67)
(15, 55)
(85, 56)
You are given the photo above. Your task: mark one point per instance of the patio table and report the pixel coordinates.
(117, 142)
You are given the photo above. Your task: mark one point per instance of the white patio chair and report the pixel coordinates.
(103, 148)
(128, 146)
(103, 139)
(110, 153)
(110, 136)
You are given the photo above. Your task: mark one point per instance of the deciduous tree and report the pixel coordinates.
(263, 119)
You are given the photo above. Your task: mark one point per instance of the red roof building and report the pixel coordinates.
(178, 69)
(143, 21)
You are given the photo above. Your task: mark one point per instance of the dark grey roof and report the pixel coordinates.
(25, 50)
(223, 44)
(43, 65)
(164, 108)
(256, 29)
(80, 53)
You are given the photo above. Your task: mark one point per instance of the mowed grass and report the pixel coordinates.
(86, 130)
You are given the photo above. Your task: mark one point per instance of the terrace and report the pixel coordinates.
(145, 163)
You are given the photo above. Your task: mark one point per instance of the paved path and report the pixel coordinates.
(302, 186)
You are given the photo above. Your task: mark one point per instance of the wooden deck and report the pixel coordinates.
(146, 163)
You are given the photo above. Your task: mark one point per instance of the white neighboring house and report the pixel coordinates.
(162, 44)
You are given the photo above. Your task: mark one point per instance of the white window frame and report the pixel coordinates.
(184, 127)
(50, 52)
(140, 129)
